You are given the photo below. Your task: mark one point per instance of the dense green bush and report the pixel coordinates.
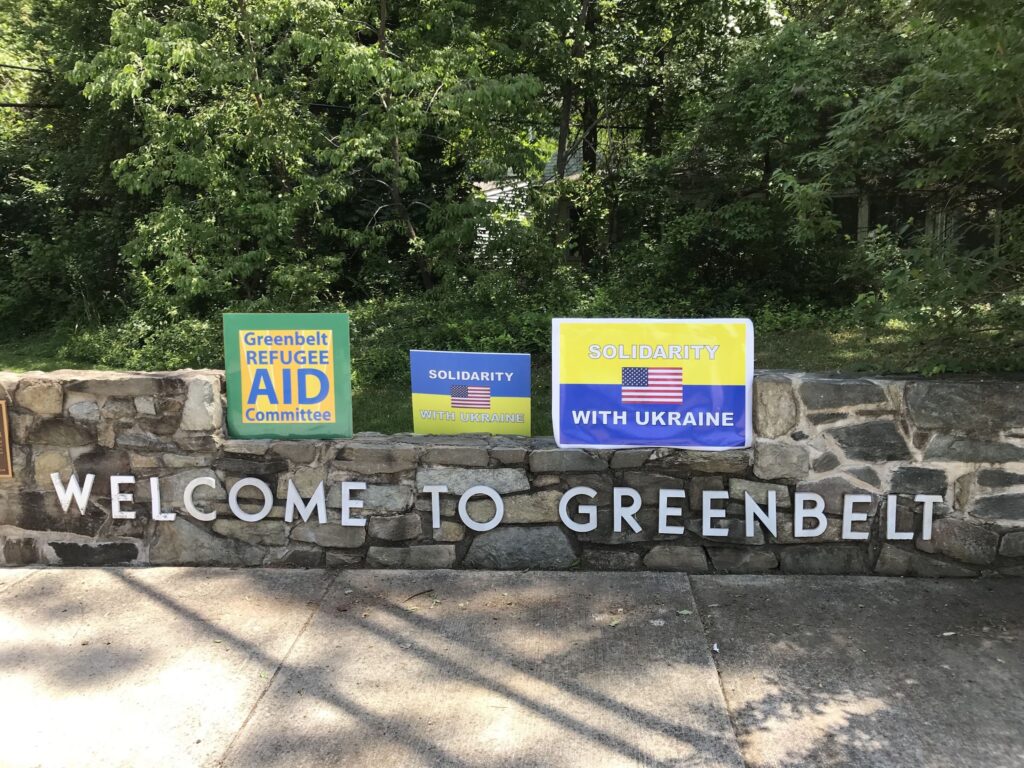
(177, 160)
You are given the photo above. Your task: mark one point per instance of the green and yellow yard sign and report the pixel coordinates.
(288, 375)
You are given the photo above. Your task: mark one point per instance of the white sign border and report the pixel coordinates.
(556, 323)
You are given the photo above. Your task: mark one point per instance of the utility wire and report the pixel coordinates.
(26, 69)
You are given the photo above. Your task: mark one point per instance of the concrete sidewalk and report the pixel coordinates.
(210, 667)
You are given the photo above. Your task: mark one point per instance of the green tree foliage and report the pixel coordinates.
(656, 157)
(945, 130)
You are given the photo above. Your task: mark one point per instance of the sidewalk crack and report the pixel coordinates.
(280, 665)
(707, 628)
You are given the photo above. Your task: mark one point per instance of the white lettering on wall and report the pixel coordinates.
(493, 495)
(80, 493)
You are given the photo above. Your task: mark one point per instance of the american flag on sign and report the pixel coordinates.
(468, 396)
(652, 385)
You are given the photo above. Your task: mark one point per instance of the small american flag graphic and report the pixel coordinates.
(468, 396)
(652, 385)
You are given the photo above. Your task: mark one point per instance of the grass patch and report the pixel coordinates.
(41, 351)
(386, 407)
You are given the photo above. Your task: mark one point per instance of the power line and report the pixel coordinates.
(25, 69)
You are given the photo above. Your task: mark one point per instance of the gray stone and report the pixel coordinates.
(873, 441)
(664, 557)
(785, 529)
(145, 441)
(456, 455)
(250, 449)
(116, 384)
(172, 488)
(865, 474)
(399, 528)
(610, 560)
(775, 408)
(425, 556)
(823, 559)
(9, 382)
(742, 560)
(975, 407)
(300, 556)
(999, 478)
(829, 394)
(145, 406)
(47, 462)
(202, 412)
(825, 462)
(961, 540)
(893, 561)
(560, 460)
(735, 526)
(337, 559)
(733, 462)
(429, 556)
(759, 492)
(377, 499)
(779, 461)
(650, 484)
(832, 490)
(965, 449)
(61, 432)
(119, 409)
(293, 451)
(387, 557)
(503, 480)
(21, 424)
(700, 484)
(239, 466)
(1012, 544)
(830, 417)
(98, 553)
(19, 551)
(330, 534)
(507, 455)
(517, 548)
(364, 459)
(180, 542)
(449, 531)
(84, 410)
(42, 396)
(305, 479)
(914, 480)
(268, 532)
(1009, 506)
(539, 507)
(630, 458)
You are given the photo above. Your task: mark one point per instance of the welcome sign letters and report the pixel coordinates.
(458, 392)
(618, 383)
(288, 375)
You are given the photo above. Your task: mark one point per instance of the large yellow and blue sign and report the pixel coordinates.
(667, 383)
(288, 375)
(458, 392)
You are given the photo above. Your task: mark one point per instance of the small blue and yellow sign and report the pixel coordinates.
(288, 375)
(457, 392)
(668, 383)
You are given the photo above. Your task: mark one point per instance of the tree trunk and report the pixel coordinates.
(568, 97)
(394, 182)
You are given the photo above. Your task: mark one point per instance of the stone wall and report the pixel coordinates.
(962, 440)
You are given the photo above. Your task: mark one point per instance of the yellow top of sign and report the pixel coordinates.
(712, 352)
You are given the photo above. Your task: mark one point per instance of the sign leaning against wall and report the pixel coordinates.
(288, 375)
(458, 392)
(6, 467)
(618, 383)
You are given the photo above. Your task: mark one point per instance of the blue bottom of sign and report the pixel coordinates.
(710, 416)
